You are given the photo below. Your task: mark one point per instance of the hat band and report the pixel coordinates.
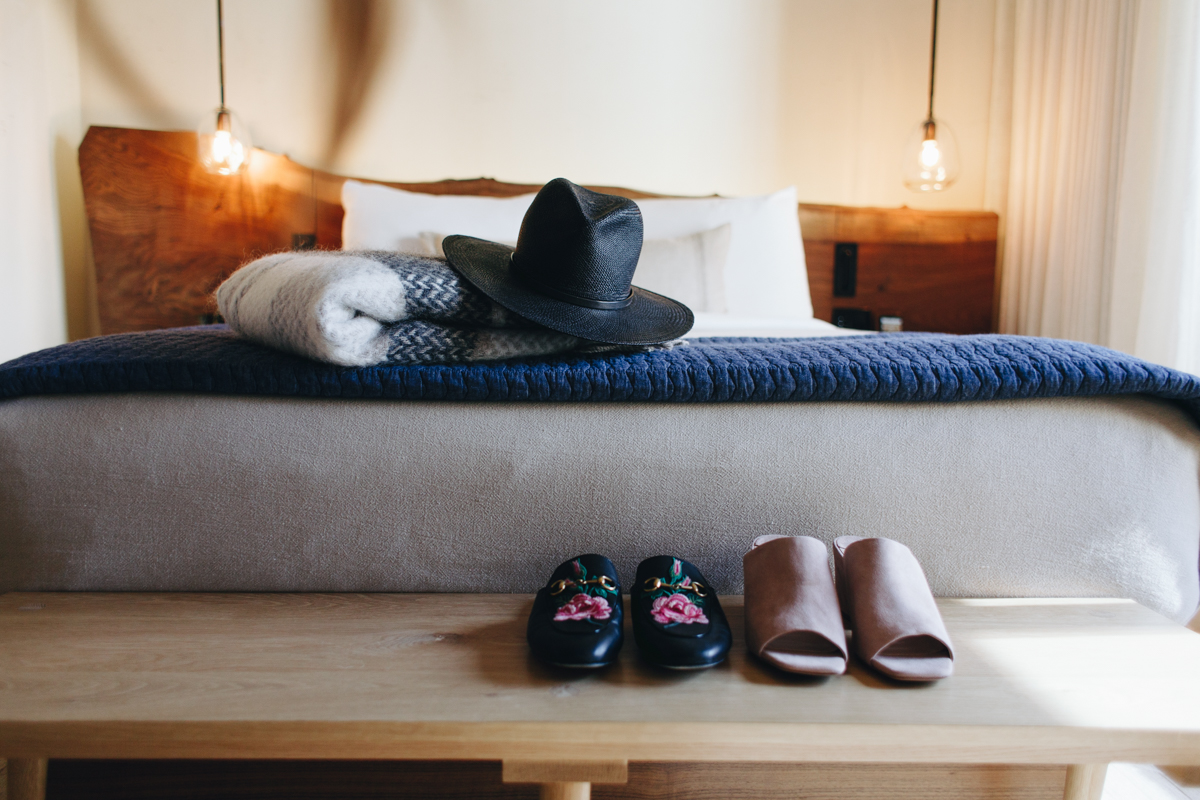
(567, 297)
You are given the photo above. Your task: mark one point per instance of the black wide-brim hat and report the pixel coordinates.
(572, 269)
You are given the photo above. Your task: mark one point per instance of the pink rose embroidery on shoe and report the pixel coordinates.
(676, 608)
(583, 607)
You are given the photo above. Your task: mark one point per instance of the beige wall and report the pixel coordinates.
(39, 183)
(679, 96)
(855, 86)
(692, 96)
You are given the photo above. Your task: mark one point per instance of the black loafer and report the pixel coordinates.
(677, 619)
(577, 618)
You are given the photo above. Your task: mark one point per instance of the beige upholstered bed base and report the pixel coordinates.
(1064, 497)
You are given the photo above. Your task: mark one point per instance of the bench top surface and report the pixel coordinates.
(450, 676)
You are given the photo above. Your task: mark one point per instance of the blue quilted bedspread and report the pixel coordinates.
(892, 367)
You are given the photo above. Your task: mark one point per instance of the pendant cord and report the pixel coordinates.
(221, 49)
(932, 58)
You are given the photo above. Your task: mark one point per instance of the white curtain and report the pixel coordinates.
(1071, 64)
(1156, 287)
(1101, 216)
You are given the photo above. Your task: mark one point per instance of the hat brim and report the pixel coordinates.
(649, 319)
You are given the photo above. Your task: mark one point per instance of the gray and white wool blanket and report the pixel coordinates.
(366, 308)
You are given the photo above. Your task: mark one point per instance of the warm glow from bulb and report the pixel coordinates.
(227, 153)
(221, 146)
(931, 175)
(931, 157)
(931, 154)
(223, 143)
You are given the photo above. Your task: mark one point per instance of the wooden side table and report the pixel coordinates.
(934, 269)
(1078, 682)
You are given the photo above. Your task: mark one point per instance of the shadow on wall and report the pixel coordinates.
(358, 37)
(97, 40)
(358, 33)
(358, 40)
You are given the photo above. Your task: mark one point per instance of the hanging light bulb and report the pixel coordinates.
(224, 142)
(931, 157)
(222, 139)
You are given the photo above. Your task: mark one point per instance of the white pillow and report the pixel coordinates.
(690, 269)
(383, 218)
(765, 273)
(431, 243)
(764, 270)
(729, 325)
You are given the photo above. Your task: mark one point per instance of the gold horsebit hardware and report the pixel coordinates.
(604, 582)
(654, 584)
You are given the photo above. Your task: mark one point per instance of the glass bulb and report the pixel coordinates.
(931, 158)
(931, 154)
(223, 142)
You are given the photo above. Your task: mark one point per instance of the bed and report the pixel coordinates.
(155, 487)
(227, 490)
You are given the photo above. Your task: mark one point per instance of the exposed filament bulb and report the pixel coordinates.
(931, 160)
(223, 142)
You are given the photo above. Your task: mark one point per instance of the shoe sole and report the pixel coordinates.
(690, 668)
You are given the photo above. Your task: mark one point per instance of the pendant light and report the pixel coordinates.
(931, 156)
(223, 141)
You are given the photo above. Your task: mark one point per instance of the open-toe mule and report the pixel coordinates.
(793, 620)
(890, 609)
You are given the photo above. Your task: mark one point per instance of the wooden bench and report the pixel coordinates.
(417, 677)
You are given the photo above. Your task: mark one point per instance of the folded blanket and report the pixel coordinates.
(369, 308)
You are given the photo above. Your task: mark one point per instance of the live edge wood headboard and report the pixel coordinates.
(165, 233)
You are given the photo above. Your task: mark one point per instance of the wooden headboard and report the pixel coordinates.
(165, 233)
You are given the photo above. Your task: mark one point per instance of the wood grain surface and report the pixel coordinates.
(165, 233)
(1085, 782)
(935, 269)
(25, 779)
(450, 677)
(1184, 776)
(565, 770)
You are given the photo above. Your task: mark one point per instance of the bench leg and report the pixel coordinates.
(566, 791)
(1085, 781)
(565, 780)
(27, 778)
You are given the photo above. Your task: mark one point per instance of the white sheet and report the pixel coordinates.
(732, 325)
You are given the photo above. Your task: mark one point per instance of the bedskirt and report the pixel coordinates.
(181, 492)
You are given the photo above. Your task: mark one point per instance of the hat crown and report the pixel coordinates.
(579, 246)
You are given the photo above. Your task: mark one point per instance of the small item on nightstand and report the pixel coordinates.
(578, 617)
(677, 620)
(889, 324)
(304, 241)
(857, 318)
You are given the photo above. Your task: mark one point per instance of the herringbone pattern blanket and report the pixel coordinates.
(359, 309)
